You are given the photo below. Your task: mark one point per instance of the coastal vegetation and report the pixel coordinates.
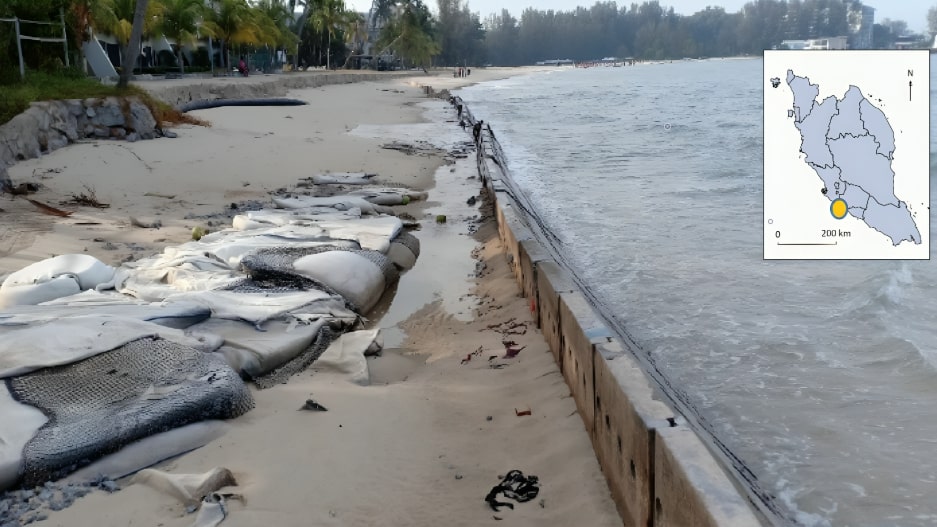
(651, 31)
(326, 33)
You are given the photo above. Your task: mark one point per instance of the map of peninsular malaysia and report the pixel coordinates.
(850, 145)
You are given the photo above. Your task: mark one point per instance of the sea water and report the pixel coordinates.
(820, 375)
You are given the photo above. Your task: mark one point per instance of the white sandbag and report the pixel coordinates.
(337, 202)
(389, 196)
(20, 424)
(33, 294)
(255, 352)
(259, 219)
(344, 178)
(87, 270)
(177, 315)
(370, 233)
(150, 451)
(68, 340)
(347, 355)
(401, 255)
(351, 275)
(255, 308)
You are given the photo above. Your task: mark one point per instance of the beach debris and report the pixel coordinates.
(20, 507)
(488, 418)
(87, 198)
(314, 406)
(509, 327)
(458, 476)
(521, 413)
(473, 354)
(422, 148)
(511, 351)
(19, 190)
(213, 511)
(471, 201)
(155, 224)
(47, 209)
(198, 232)
(158, 195)
(441, 218)
(190, 489)
(46, 173)
(514, 485)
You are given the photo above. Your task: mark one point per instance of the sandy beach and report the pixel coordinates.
(438, 426)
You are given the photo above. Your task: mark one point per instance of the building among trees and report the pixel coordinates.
(861, 23)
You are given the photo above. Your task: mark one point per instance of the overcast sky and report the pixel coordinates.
(913, 12)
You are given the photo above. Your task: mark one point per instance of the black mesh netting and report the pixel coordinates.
(101, 404)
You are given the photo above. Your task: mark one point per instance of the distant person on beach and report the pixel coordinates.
(242, 66)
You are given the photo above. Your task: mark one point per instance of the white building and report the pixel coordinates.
(828, 43)
(793, 44)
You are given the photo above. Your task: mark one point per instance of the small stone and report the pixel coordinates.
(489, 418)
(109, 486)
(133, 137)
(458, 476)
(170, 134)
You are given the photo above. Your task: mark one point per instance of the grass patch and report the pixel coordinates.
(73, 84)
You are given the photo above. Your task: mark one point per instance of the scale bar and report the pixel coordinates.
(827, 243)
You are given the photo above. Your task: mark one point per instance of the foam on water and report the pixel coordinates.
(820, 375)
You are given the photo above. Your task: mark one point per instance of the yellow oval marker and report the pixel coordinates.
(838, 208)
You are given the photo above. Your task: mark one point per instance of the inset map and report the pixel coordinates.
(847, 170)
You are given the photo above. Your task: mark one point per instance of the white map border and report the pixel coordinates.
(793, 203)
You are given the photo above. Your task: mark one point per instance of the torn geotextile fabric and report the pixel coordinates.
(103, 403)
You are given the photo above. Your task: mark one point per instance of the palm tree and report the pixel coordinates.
(328, 17)
(116, 17)
(409, 34)
(233, 22)
(356, 34)
(274, 18)
(178, 21)
(133, 47)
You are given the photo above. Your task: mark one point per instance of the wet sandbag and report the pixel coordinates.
(344, 178)
(403, 250)
(253, 352)
(336, 202)
(53, 278)
(179, 315)
(101, 404)
(359, 276)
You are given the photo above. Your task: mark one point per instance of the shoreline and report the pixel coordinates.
(418, 423)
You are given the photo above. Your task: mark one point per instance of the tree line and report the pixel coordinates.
(326, 33)
(651, 31)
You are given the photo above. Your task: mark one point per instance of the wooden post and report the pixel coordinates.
(64, 37)
(19, 47)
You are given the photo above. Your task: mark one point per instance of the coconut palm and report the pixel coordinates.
(133, 46)
(178, 21)
(329, 15)
(356, 34)
(232, 22)
(409, 33)
(116, 17)
(277, 23)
